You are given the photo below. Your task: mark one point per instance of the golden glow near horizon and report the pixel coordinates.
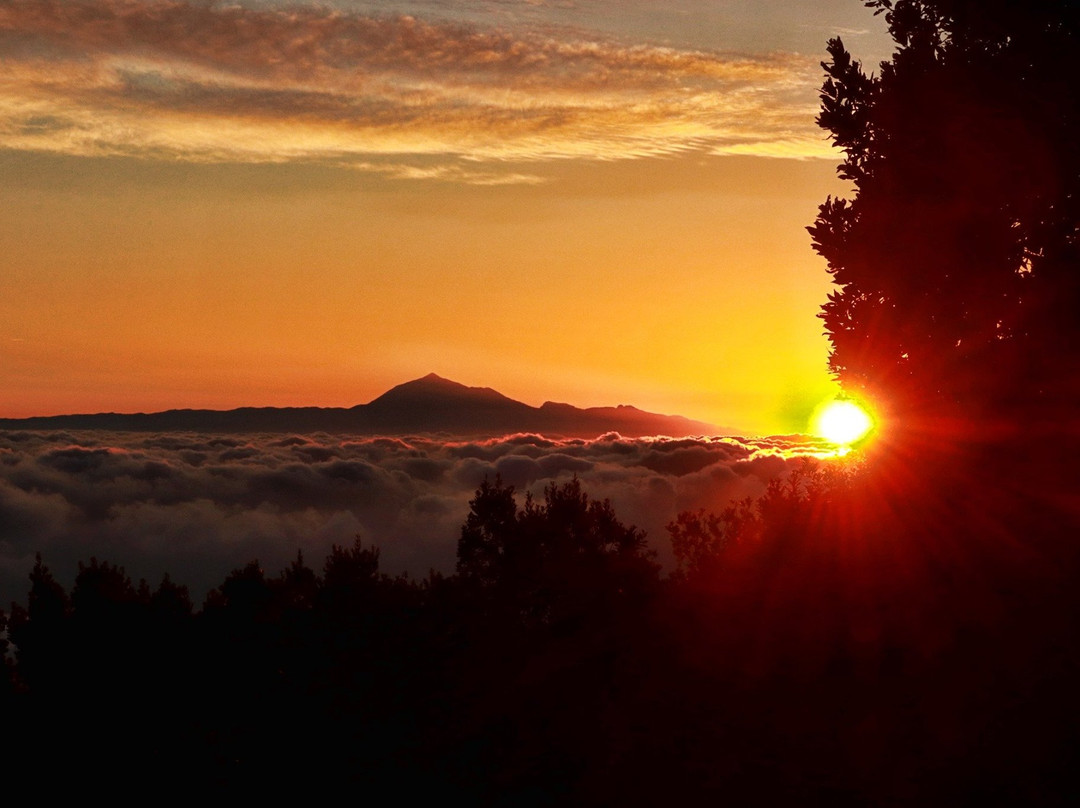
(842, 422)
(218, 205)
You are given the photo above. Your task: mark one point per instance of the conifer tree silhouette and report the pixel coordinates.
(958, 256)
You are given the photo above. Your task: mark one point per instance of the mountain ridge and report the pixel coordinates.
(429, 404)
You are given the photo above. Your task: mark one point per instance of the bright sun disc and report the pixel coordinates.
(843, 422)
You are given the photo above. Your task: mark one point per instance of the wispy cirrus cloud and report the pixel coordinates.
(203, 81)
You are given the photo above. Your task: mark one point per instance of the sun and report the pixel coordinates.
(842, 421)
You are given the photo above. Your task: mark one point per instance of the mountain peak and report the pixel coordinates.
(433, 389)
(432, 381)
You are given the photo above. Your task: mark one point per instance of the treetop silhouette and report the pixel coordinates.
(957, 257)
(550, 561)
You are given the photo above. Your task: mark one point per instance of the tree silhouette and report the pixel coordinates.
(958, 257)
(102, 589)
(557, 560)
(36, 629)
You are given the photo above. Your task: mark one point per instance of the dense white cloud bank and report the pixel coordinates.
(198, 506)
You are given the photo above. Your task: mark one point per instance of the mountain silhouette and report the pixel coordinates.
(434, 389)
(427, 405)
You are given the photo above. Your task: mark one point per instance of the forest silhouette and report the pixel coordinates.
(899, 627)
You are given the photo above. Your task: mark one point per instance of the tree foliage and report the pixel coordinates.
(958, 256)
(831, 638)
(551, 560)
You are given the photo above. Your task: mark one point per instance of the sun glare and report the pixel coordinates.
(843, 422)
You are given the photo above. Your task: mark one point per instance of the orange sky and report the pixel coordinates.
(336, 203)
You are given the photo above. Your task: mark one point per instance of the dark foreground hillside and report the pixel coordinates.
(863, 637)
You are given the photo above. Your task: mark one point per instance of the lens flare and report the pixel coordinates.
(842, 422)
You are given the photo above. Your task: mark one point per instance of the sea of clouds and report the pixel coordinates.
(197, 506)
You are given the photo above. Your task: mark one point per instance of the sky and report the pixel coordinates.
(263, 203)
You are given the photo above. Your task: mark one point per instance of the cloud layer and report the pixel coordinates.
(198, 506)
(212, 82)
